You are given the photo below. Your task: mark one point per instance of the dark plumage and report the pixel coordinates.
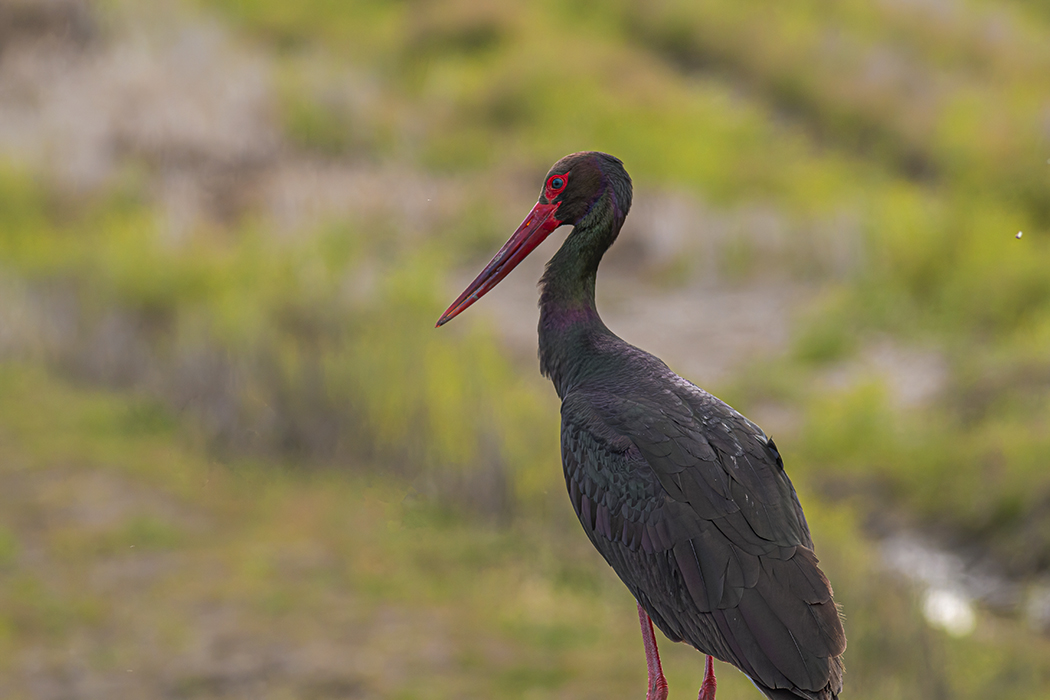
(685, 498)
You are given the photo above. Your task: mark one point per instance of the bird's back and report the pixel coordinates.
(689, 503)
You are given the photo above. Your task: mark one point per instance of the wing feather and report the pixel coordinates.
(690, 504)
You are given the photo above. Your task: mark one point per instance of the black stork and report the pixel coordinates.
(685, 498)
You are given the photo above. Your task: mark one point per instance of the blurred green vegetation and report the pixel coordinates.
(277, 396)
(301, 363)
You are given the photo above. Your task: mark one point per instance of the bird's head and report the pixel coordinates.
(587, 187)
(589, 190)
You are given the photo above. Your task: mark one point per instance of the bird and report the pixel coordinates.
(686, 499)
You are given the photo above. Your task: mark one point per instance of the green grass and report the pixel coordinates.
(278, 561)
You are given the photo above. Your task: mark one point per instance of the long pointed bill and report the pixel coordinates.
(533, 231)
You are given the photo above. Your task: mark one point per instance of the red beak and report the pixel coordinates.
(533, 231)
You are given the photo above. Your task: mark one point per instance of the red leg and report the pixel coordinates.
(707, 688)
(657, 682)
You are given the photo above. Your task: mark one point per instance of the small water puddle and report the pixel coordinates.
(953, 586)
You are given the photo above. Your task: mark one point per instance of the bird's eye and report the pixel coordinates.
(556, 184)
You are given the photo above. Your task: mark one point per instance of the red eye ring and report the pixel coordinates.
(556, 185)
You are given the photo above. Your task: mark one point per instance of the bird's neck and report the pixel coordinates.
(569, 323)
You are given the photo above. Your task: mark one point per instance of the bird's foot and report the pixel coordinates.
(707, 688)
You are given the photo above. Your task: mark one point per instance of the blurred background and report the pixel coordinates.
(237, 461)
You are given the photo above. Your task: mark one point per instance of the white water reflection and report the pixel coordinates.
(949, 610)
(952, 586)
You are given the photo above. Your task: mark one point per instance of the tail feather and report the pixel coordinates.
(829, 692)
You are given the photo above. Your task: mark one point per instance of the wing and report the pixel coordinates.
(689, 502)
